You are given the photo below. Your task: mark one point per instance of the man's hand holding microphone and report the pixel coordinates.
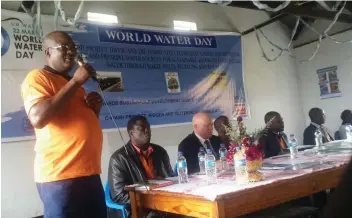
(83, 73)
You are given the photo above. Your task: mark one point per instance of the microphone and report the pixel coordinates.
(80, 62)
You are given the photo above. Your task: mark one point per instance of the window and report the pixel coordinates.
(184, 25)
(105, 18)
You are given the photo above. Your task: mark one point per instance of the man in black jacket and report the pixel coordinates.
(139, 160)
(317, 117)
(275, 141)
(201, 137)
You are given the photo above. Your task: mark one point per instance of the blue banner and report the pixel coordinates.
(166, 76)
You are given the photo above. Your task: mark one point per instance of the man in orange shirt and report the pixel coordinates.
(69, 136)
(138, 161)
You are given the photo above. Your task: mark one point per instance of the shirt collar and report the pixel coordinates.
(53, 71)
(278, 134)
(315, 124)
(200, 138)
(144, 153)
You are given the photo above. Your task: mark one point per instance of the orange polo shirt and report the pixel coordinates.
(70, 145)
(146, 160)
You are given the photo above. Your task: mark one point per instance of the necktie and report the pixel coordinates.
(208, 145)
(281, 142)
(326, 134)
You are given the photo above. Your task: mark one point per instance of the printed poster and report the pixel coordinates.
(328, 82)
(172, 83)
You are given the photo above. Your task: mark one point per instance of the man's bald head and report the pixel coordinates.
(60, 51)
(203, 125)
(55, 38)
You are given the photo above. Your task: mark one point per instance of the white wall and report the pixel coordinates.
(330, 54)
(270, 86)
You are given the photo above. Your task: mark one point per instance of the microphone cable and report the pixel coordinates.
(124, 145)
(80, 62)
(111, 115)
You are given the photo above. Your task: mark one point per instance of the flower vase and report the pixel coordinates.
(252, 167)
(254, 162)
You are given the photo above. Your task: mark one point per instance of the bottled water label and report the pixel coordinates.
(201, 158)
(182, 164)
(210, 164)
(222, 154)
(292, 144)
(240, 163)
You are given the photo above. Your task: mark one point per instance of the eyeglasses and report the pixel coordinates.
(66, 47)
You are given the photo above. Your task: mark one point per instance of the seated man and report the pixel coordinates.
(201, 137)
(317, 117)
(139, 160)
(275, 140)
(346, 117)
(219, 124)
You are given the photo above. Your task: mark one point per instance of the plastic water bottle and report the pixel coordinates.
(210, 167)
(222, 155)
(201, 159)
(240, 168)
(182, 168)
(318, 139)
(293, 146)
(349, 132)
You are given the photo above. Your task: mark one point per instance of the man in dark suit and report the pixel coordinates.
(275, 141)
(317, 117)
(201, 137)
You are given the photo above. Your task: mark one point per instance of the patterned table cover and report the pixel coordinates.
(227, 181)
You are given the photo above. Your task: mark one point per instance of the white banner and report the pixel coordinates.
(21, 52)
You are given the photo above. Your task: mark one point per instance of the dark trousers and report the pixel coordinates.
(78, 197)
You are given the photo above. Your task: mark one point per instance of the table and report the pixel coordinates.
(274, 190)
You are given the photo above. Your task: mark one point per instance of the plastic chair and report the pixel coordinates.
(113, 205)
